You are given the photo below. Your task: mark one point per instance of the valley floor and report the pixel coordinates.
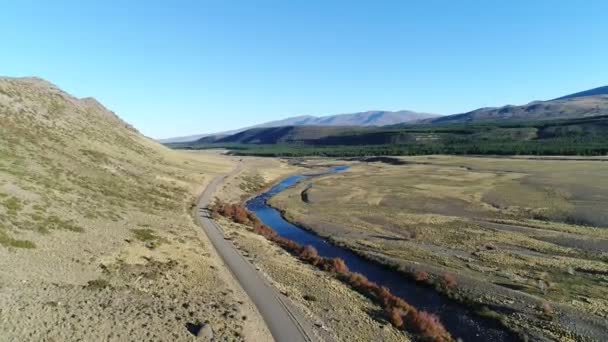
(337, 312)
(148, 273)
(523, 240)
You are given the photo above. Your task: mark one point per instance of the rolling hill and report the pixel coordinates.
(593, 102)
(284, 135)
(588, 103)
(95, 230)
(591, 92)
(579, 136)
(369, 118)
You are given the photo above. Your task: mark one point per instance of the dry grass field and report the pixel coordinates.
(526, 238)
(96, 237)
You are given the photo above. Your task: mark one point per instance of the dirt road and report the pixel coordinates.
(285, 321)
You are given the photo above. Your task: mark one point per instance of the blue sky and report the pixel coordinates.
(184, 67)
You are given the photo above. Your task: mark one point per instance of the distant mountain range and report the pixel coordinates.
(589, 103)
(591, 92)
(369, 118)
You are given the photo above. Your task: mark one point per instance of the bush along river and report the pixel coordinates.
(460, 321)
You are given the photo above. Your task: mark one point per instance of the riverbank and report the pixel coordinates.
(334, 307)
(460, 322)
(359, 210)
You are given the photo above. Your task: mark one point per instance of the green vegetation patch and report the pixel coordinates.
(584, 136)
(148, 235)
(7, 241)
(252, 183)
(144, 234)
(13, 205)
(55, 223)
(95, 156)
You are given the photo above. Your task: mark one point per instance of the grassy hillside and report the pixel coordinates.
(590, 92)
(570, 107)
(584, 136)
(95, 228)
(287, 135)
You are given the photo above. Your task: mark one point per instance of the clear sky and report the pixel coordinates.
(185, 67)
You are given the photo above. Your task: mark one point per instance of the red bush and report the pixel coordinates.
(395, 316)
(288, 245)
(264, 230)
(449, 281)
(339, 266)
(309, 252)
(310, 255)
(395, 308)
(428, 325)
(421, 276)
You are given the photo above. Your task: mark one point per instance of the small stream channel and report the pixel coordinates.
(459, 320)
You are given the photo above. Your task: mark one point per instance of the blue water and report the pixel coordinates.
(456, 318)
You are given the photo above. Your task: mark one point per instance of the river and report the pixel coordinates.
(458, 320)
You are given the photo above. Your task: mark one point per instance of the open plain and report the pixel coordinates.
(523, 240)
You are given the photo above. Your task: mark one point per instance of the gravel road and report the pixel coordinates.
(284, 320)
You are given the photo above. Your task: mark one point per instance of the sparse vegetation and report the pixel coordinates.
(421, 276)
(97, 284)
(74, 181)
(477, 239)
(144, 234)
(309, 298)
(252, 183)
(449, 281)
(7, 241)
(396, 309)
(547, 311)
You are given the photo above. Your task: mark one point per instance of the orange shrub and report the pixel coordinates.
(309, 252)
(395, 308)
(449, 281)
(547, 310)
(428, 325)
(339, 266)
(310, 255)
(421, 276)
(395, 316)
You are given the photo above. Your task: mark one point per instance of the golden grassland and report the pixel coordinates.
(96, 231)
(522, 234)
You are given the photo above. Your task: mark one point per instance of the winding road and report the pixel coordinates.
(284, 320)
